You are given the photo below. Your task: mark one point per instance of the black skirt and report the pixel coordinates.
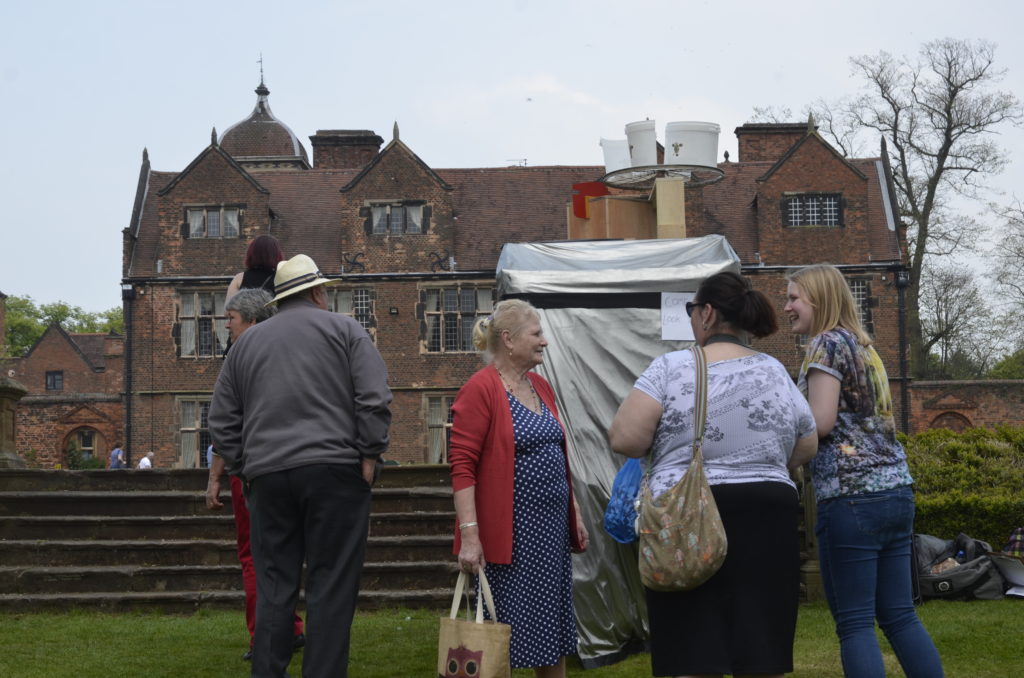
(743, 619)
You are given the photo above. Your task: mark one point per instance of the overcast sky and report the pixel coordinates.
(85, 86)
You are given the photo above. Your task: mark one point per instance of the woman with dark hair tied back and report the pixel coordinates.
(516, 516)
(742, 620)
(261, 259)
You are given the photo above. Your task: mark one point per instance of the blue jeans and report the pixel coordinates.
(864, 547)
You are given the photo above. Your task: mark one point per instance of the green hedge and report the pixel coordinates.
(971, 482)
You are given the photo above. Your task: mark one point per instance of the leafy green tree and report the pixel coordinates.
(1010, 367)
(27, 321)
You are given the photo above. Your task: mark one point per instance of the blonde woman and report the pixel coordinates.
(861, 481)
(513, 491)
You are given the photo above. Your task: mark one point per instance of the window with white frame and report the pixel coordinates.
(449, 314)
(439, 427)
(396, 219)
(357, 303)
(812, 209)
(194, 433)
(85, 439)
(202, 324)
(212, 222)
(861, 296)
(861, 291)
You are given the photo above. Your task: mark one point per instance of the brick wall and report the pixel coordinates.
(397, 176)
(89, 398)
(959, 404)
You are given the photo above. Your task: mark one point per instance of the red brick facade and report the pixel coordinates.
(74, 384)
(455, 223)
(957, 405)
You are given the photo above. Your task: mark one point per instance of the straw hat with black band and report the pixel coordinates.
(296, 274)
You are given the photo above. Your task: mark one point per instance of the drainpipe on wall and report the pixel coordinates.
(902, 276)
(127, 296)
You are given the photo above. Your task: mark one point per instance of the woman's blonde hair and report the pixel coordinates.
(828, 292)
(509, 316)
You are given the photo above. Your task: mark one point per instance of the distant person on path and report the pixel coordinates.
(146, 462)
(861, 481)
(301, 411)
(245, 309)
(117, 459)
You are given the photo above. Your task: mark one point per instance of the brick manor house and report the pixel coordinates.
(413, 250)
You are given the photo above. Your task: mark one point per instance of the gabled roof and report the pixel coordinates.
(396, 144)
(84, 345)
(212, 148)
(795, 147)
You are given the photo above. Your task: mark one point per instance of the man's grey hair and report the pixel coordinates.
(251, 304)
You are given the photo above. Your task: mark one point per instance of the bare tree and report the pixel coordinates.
(937, 116)
(1008, 271)
(960, 333)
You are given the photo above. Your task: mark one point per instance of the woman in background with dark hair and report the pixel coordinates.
(742, 620)
(260, 265)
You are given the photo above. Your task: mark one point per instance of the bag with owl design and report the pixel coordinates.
(682, 539)
(469, 648)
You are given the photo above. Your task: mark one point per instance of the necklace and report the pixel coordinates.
(725, 339)
(534, 403)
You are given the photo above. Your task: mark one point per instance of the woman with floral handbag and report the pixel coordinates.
(742, 620)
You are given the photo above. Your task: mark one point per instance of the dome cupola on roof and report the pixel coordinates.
(261, 141)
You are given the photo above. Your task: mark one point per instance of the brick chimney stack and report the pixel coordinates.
(760, 142)
(344, 148)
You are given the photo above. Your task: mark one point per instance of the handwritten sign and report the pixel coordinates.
(675, 324)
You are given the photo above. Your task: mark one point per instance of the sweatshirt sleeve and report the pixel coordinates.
(225, 419)
(372, 398)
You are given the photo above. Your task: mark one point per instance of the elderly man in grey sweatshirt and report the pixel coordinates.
(301, 411)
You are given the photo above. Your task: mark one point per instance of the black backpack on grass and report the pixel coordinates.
(974, 578)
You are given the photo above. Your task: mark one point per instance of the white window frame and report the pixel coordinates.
(437, 415)
(192, 320)
(193, 431)
(87, 451)
(448, 322)
(396, 218)
(213, 222)
(358, 303)
(812, 209)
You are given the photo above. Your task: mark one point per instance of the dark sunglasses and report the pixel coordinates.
(690, 305)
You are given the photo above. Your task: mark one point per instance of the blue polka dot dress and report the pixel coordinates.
(534, 592)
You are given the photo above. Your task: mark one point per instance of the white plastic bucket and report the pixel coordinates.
(691, 143)
(643, 143)
(616, 154)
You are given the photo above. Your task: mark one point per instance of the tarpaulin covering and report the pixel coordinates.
(599, 305)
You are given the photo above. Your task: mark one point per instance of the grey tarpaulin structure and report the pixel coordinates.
(599, 303)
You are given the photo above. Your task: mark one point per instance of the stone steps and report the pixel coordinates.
(123, 540)
(187, 502)
(147, 578)
(170, 552)
(191, 601)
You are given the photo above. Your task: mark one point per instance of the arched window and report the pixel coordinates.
(954, 421)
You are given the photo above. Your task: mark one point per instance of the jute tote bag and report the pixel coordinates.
(474, 648)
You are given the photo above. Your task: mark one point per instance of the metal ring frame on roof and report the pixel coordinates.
(642, 178)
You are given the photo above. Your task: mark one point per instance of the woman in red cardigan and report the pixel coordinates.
(513, 492)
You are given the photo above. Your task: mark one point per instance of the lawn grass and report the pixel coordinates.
(976, 640)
